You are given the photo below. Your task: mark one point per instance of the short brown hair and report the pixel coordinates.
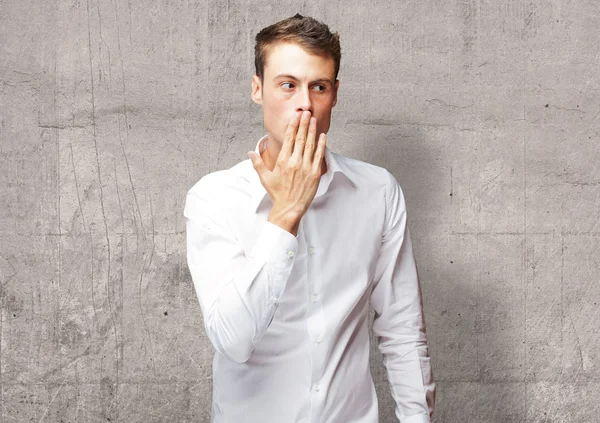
(310, 34)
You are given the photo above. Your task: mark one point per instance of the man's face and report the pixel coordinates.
(295, 80)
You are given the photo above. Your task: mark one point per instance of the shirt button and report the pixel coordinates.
(314, 297)
(290, 254)
(319, 339)
(316, 387)
(275, 299)
(311, 250)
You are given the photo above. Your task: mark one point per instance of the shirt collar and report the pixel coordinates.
(334, 165)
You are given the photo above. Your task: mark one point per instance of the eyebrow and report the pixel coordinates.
(296, 79)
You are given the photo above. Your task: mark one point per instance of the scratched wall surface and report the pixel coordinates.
(487, 112)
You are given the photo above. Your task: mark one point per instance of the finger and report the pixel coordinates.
(309, 147)
(288, 139)
(301, 137)
(319, 153)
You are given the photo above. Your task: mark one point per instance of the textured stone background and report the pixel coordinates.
(487, 111)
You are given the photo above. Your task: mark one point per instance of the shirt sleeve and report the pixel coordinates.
(399, 324)
(238, 295)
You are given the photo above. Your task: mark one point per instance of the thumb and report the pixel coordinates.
(257, 162)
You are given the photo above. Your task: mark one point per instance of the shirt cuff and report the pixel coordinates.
(417, 418)
(276, 246)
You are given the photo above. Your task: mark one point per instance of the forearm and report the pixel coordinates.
(246, 303)
(238, 292)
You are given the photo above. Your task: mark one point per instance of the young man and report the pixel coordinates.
(288, 249)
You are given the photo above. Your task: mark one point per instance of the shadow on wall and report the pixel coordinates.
(471, 284)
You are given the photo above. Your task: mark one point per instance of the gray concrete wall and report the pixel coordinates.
(487, 112)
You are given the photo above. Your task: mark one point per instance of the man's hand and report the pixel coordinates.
(293, 183)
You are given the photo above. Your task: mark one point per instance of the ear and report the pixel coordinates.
(256, 90)
(335, 90)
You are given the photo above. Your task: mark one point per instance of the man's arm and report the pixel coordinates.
(399, 323)
(238, 295)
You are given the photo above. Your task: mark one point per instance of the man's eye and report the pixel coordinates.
(322, 86)
(287, 83)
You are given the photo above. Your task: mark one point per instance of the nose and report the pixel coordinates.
(305, 102)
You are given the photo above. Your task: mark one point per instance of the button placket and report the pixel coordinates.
(314, 297)
(314, 324)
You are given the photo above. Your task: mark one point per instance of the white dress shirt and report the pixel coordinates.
(288, 315)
